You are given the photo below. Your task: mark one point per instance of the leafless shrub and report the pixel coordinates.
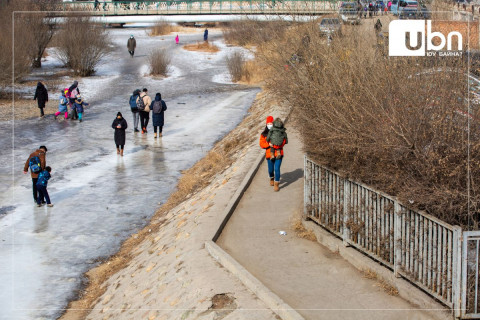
(19, 65)
(236, 66)
(252, 32)
(159, 61)
(82, 44)
(399, 124)
(41, 27)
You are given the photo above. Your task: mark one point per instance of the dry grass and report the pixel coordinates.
(161, 28)
(255, 73)
(202, 47)
(158, 61)
(382, 283)
(302, 232)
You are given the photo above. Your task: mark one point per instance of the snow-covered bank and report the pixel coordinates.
(169, 274)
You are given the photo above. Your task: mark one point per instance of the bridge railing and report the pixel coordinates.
(203, 7)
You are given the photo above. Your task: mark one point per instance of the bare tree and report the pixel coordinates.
(82, 44)
(41, 27)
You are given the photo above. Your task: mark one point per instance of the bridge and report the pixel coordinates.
(204, 7)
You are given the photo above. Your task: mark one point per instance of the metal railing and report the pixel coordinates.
(470, 275)
(417, 246)
(203, 7)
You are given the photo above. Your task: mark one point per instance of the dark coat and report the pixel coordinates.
(158, 118)
(119, 133)
(41, 95)
(131, 44)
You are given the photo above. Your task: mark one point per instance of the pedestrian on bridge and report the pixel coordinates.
(131, 45)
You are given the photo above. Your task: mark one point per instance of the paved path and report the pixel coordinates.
(306, 275)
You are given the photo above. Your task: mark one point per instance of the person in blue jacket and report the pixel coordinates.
(78, 106)
(42, 182)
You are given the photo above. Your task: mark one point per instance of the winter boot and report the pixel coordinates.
(160, 134)
(155, 135)
(276, 186)
(118, 151)
(121, 152)
(271, 182)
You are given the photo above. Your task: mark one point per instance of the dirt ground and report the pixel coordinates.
(24, 109)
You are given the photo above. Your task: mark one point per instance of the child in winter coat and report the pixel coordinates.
(78, 106)
(62, 106)
(276, 136)
(41, 185)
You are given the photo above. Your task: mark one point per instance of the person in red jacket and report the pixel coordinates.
(274, 164)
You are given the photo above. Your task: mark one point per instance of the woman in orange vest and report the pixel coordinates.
(274, 164)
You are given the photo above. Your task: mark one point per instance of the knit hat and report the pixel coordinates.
(269, 119)
(119, 114)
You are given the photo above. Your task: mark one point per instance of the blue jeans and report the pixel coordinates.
(42, 194)
(274, 168)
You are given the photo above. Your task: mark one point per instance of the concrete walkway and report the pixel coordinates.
(316, 282)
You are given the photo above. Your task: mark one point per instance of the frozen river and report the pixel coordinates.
(101, 198)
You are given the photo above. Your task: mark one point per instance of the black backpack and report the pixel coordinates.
(140, 103)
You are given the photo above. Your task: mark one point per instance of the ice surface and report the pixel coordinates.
(101, 198)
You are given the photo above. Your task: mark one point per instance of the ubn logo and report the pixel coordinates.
(408, 38)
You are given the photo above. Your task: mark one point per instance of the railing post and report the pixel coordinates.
(397, 238)
(306, 194)
(346, 211)
(457, 274)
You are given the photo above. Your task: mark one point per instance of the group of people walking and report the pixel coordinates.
(140, 105)
(71, 103)
(272, 139)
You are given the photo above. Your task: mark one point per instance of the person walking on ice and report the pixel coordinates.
(36, 162)
(79, 105)
(158, 108)
(42, 182)
(120, 125)
(273, 154)
(205, 35)
(134, 109)
(41, 95)
(63, 105)
(177, 39)
(131, 45)
(143, 105)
